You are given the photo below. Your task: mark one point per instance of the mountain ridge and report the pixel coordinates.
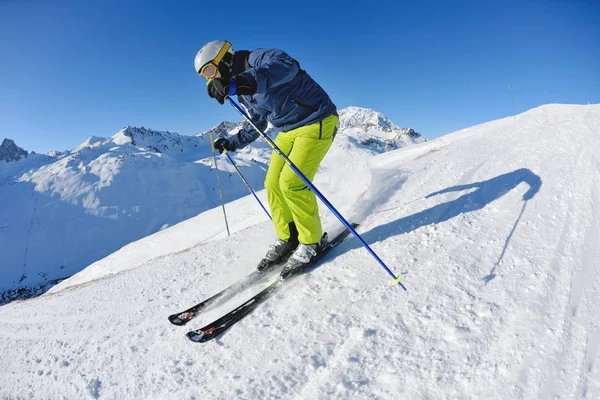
(121, 188)
(10, 152)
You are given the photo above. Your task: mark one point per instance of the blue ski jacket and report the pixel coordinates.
(286, 96)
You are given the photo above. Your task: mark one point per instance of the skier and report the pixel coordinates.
(273, 88)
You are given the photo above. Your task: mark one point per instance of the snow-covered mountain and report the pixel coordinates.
(374, 129)
(222, 129)
(9, 151)
(62, 211)
(495, 229)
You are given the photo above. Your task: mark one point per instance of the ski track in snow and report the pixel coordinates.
(495, 228)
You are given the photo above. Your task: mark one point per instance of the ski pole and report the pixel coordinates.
(212, 144)
(396, 278)
(247, 184)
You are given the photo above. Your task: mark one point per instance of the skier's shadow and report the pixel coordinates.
(485, 192)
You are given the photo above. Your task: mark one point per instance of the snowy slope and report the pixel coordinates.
(61, 212)
(495, 228)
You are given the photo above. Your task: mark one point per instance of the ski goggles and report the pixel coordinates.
(210, 70)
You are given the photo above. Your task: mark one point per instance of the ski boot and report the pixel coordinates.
(303, 257)
(279, 251)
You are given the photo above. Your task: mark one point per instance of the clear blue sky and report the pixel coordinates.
(71, 69)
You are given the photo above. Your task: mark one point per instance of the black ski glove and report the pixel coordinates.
(219, 88)
(243, 85)
(222, 145)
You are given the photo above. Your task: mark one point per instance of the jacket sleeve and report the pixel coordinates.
(248, 134)
(271, 68)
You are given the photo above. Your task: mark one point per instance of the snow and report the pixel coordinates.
(373, 127)
(495, 229)
(62, 212)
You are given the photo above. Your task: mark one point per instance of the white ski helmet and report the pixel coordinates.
(210, 55)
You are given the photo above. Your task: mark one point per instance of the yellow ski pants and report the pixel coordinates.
(290, 199)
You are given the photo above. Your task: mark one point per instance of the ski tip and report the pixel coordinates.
(202, 335)
(196, 336)
(180, 319)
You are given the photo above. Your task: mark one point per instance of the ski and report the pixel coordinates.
(226, 321)
(183, 317)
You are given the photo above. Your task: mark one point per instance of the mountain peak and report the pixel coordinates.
(375, 129)
(9, 151)
(137, 136)
(222, 129)
(351, 117)
(165, 142)
(130, 134)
